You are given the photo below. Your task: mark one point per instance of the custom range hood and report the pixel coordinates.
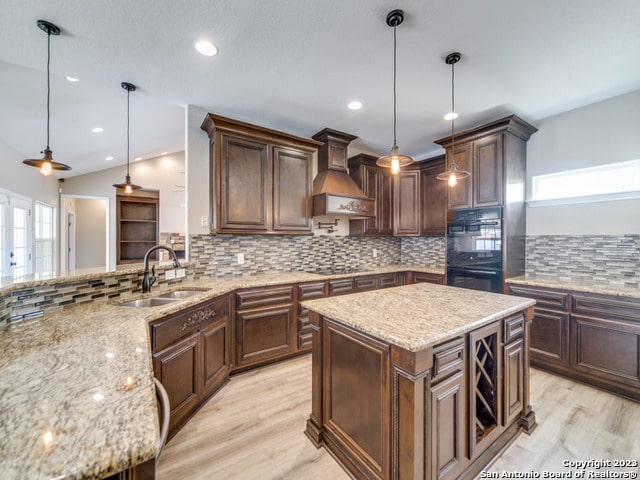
(334, 191)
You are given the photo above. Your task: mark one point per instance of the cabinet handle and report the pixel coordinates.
(197, 318)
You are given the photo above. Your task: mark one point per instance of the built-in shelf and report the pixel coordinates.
(137, 225)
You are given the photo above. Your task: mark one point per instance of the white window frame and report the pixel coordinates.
(50, 240)
(629, 170)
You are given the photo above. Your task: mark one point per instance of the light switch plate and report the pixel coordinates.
(170, 274)
(180, 273)
(375, 253)
(204, 221)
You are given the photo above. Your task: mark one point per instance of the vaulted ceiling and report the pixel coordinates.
(294, 65)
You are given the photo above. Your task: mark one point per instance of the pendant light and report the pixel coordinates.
(46, 164)
(453, 174)
(394, 159)
(127, 185)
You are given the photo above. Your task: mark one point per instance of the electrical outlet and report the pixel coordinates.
(240, 258)
(204, 221)
(170, 274)
(375, 253)
(180, 273)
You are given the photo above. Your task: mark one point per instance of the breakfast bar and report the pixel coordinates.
(419, 381)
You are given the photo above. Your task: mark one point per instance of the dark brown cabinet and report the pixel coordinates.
(406, 208)
(137, 220)
(586, 336)
(192, 356)
(307, 291)
(260, 178)
(377, 183)
(433, 195)
(495, 154)
(425, 277)
(264, 325)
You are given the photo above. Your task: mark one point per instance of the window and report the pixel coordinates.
(614, 181)
(44, 237)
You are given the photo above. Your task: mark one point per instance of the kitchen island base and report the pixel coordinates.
(443, 412)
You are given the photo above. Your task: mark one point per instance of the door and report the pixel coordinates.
(460, 195)
(406, 211)
(487, 171)
(291, 190)
(71, 241)
(16, 236)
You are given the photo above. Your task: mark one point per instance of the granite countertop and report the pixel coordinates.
(77, 398)
(577, 286)
(83, 375)
(415, 317)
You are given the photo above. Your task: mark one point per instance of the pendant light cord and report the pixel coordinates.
(394, 85)
(453, 113)
(48, 82)
(128, 95)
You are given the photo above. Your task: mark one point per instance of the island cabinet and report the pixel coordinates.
(585, 336)
(391, 406)
(260, 178)
(307, 291)
(264, 325)
(495, 155)
(191, 356)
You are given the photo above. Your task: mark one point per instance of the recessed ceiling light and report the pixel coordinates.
(97, 129)
(355, 105)
(451, 116)
(206, 48)
(164, 153)
(72, 79)
(108, 158)
(137, 159)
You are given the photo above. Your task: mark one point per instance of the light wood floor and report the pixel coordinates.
(253, 429)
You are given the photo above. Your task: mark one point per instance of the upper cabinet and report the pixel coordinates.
(412, 203)
(260, 178)
(377, 183)
(495, 154)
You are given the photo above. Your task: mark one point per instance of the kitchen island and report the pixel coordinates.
(419, 381)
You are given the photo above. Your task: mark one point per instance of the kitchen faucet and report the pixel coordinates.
(148, 280)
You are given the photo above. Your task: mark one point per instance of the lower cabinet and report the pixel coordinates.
(589, 337)
(264, 325)
(425, 277)
(307, 291)
(191, 356)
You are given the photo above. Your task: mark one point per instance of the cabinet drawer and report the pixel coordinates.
(308, 291)
(340, 286)
(174, 327)
(261, 297)
(544, 298)
(448, 358)
(362, 284)
(513, 327)
(386, 280)
(423, 277)
(609, 307)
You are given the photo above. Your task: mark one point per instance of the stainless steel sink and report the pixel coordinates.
(147, 302)
(179, 294)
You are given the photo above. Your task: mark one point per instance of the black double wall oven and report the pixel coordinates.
(474, 249)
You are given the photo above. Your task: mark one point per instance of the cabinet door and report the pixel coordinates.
(244, 183)
(607, 349)
(487, 171)
(216, 356)
(485, 387)
(550, 337)
(384, 202)
(433, 195)
(513, 380)
(264, 334)
(448, 428)
(406, 209)
(177, 369)
(460, 195)
(291, 190)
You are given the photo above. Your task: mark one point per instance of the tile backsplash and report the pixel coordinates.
(216, 255)
(605, 259)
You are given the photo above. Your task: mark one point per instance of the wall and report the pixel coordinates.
(197, 169)
(91, 232)
(601, 133)
(598, 241)
(165, 173)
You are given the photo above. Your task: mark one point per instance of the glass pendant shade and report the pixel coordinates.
(394, 160)
(46, 164)
(452, 175)
(127, 186)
